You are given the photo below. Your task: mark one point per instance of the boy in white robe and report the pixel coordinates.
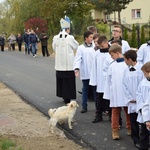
(133, 75)
(114, 90)
(142, 96)
(97, 78)
(143, 54)
(117, 35)
(83, 63)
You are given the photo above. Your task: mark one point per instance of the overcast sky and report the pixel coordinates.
(2, 1)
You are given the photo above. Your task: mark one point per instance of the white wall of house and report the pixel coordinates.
(137, 11)
(95, 14)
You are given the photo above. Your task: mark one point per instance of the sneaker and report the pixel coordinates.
(106, 113)
(137, 145)
(129, 132)
(97, 119)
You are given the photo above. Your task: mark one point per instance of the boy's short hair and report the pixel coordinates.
(96, 36)
(146, 67)
(102, 39)
(115, 48)
(131, 54)
(116, 42)
(87, 34)
(118, 26)
(92, 29)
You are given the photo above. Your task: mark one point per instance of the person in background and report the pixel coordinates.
(142, 100)
(12, 40)
(44, 43)
(2, 42)
(33, 41)
(133, 75)
(95, 39)
(83, 63)
(117, 35)
(143, 54)
(26, 41)
(64, 46)
(19, 40)
(92, 28)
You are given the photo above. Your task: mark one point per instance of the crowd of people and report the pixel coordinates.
(30, 40)
(119, 77)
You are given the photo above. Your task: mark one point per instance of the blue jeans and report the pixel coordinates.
(85, 90)
(27, 48)
(33, 48)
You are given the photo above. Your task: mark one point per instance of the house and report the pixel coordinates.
(137, 11)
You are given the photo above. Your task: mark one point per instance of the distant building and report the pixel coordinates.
(137, 11)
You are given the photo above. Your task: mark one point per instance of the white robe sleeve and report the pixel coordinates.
(54, 43)
(73, 43)
(140, 54)
(146, 109)
(128, 95)
(78, 58)
(93, 76)
(139, 99)
(107, 86)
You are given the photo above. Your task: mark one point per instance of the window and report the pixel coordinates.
(136, 13)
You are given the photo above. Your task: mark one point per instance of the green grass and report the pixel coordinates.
(6, 144)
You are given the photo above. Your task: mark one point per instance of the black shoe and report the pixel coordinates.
(84, 110)
(137, 145)
(97, 119)
(66, 101)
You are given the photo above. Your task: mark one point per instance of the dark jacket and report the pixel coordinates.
(26, 38)
(33, 38)
(19, 39)
(2, 40)
(44, 39)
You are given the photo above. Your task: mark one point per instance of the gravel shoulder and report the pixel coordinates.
(28, 127)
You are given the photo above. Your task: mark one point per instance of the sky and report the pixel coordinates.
(2, 1)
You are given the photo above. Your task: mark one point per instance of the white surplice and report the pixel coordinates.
(125, 46)
(143, 54)
(131, 81)
(83, 61)
(114, 90)
(64, 46)
(142, 95)
(146, 109)
(97, 77)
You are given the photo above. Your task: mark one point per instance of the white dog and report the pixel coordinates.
(62, 113)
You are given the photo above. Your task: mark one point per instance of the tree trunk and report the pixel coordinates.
(119, 17)
(114, 15)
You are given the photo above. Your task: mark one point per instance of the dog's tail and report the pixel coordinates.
(51, 112)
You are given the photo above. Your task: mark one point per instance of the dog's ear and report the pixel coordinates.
(71, 105)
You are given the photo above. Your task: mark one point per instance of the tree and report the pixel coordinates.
(111, 6)
(133, 37)
(125, 34)
(37, 24)
(142, 35)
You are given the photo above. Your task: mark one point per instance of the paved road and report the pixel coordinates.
(34, 80)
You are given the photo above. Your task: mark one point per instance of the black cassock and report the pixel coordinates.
(66, 84)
